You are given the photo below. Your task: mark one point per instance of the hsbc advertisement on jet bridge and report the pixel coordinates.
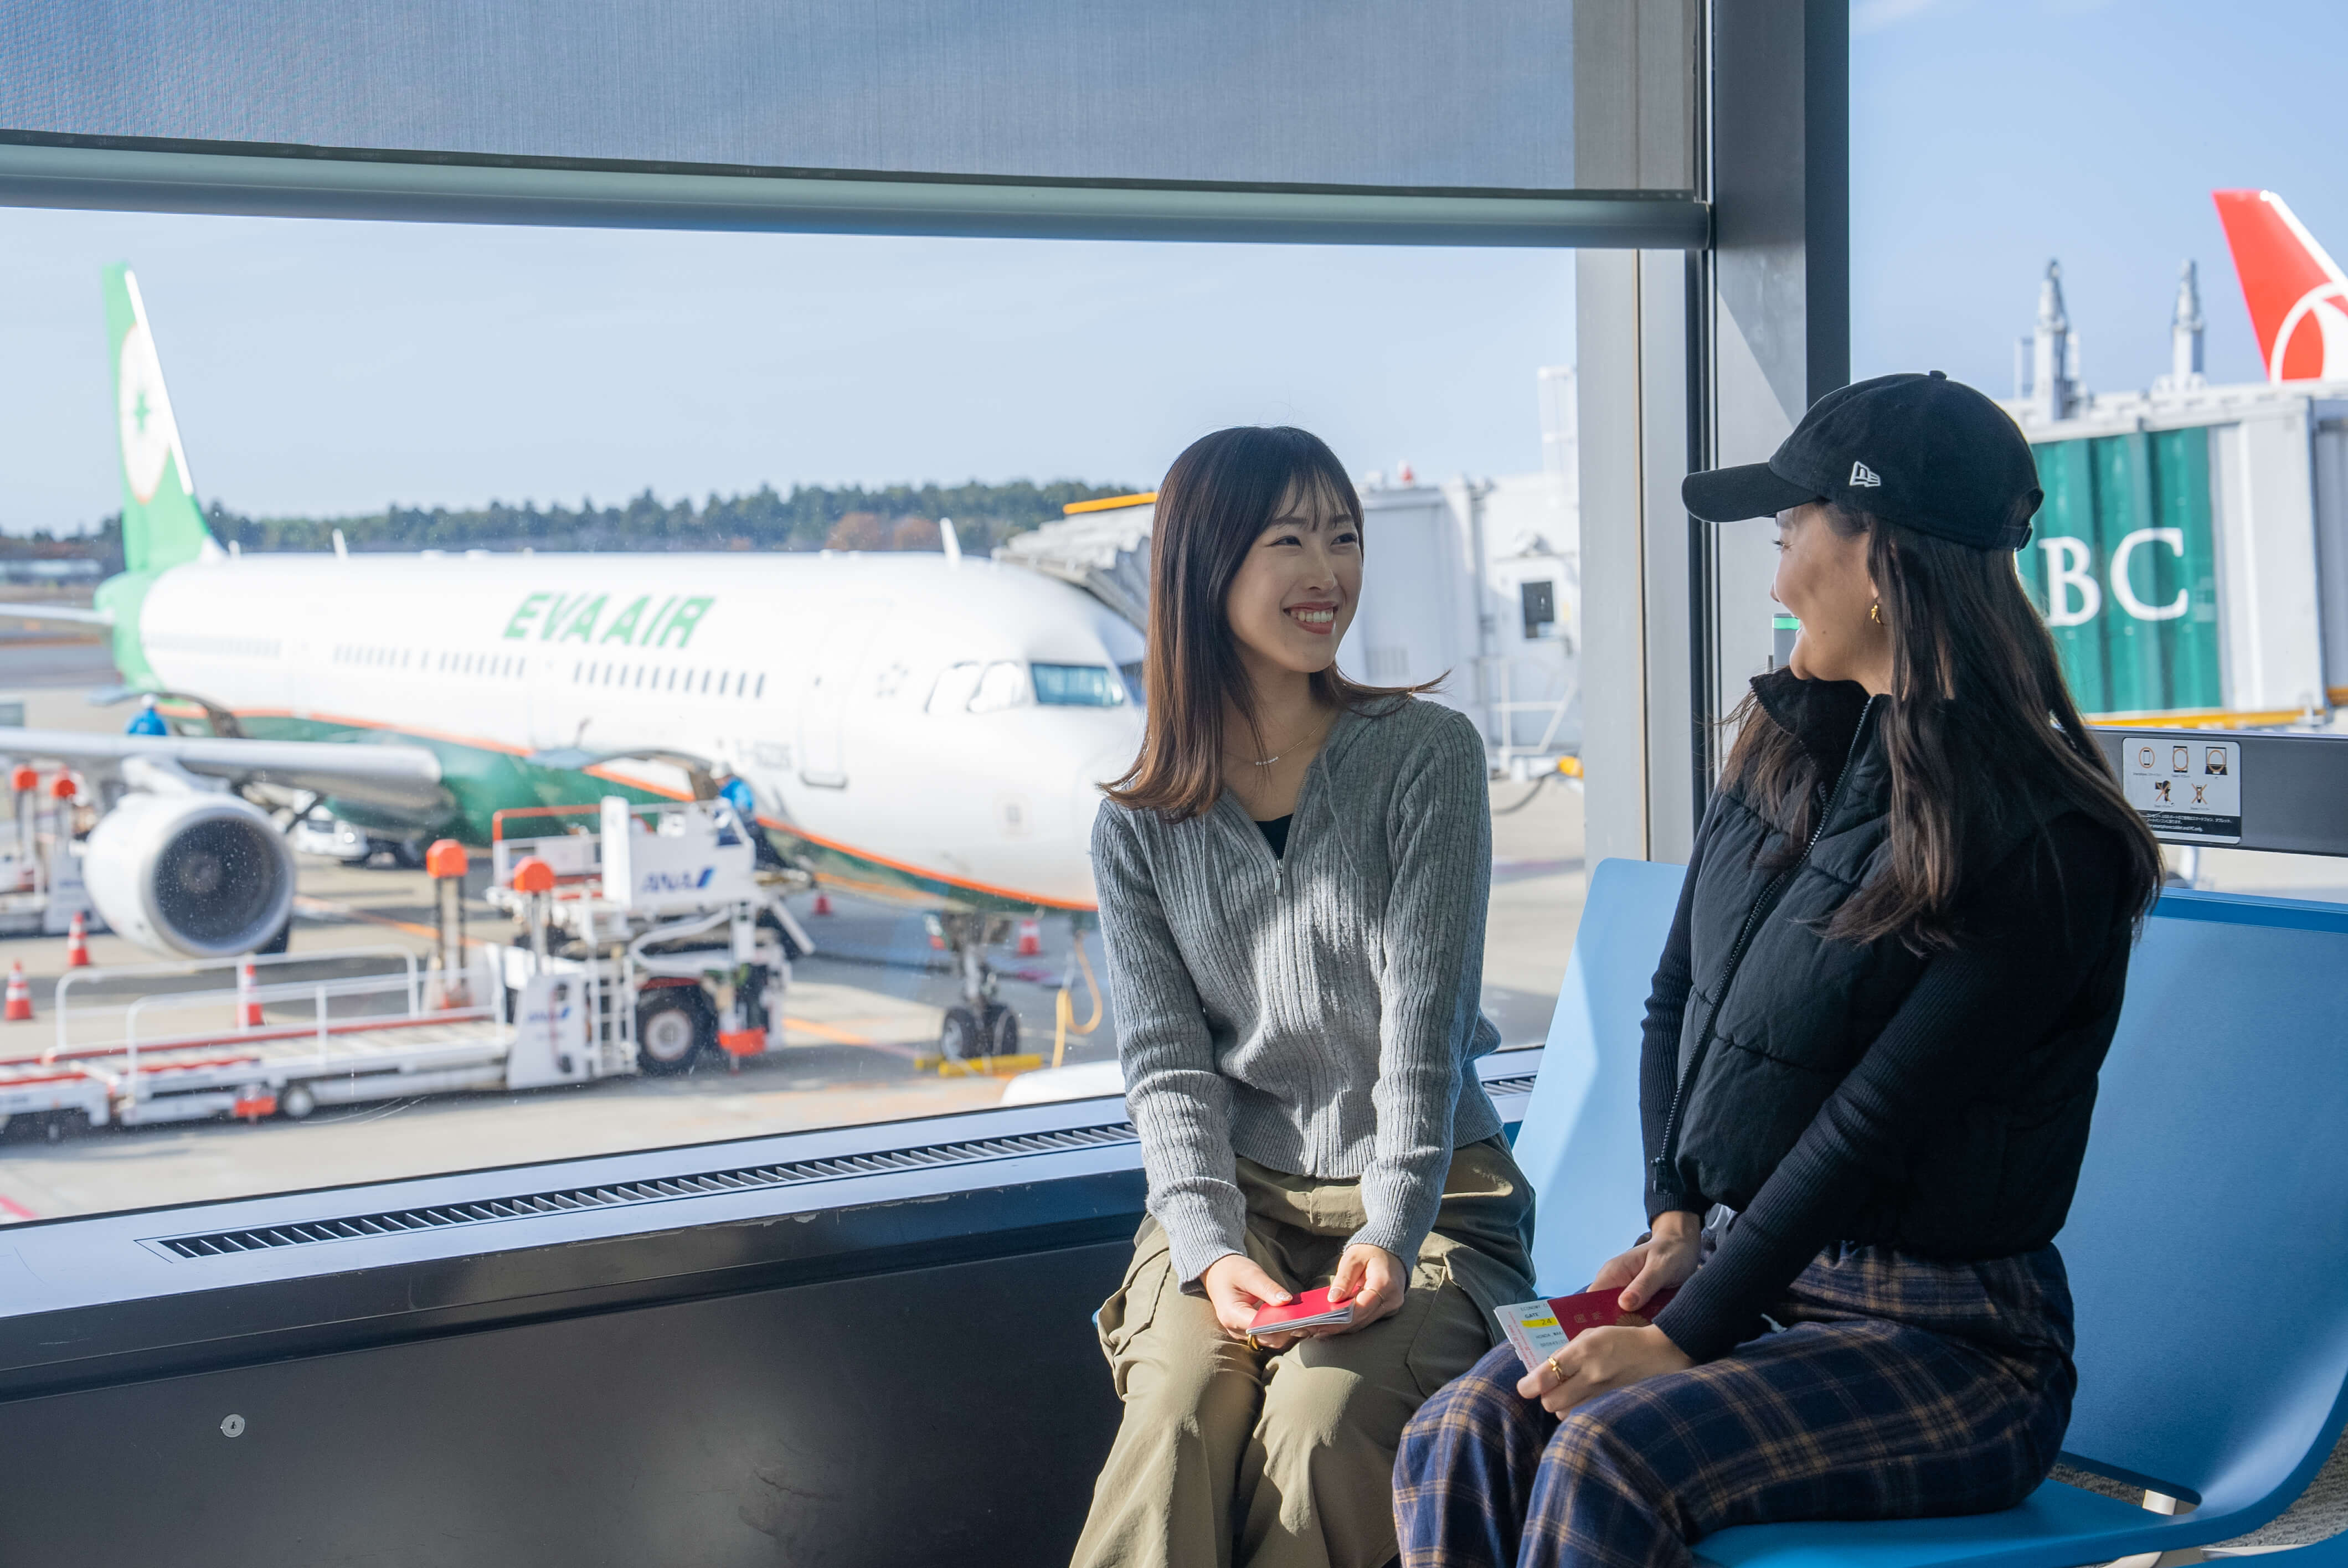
(2122, 562)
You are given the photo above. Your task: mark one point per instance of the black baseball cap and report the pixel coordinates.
(1922, 451)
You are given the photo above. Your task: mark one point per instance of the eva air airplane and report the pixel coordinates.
(909, 723)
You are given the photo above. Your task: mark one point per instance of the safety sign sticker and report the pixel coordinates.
(2188, 789)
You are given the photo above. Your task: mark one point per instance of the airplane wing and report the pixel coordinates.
(18, 611)
(395, 778)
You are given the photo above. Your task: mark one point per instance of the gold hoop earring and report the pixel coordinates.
(1875, 612)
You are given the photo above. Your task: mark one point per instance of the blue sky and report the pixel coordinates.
(1987, 135)
(322, 367)
(331, 367)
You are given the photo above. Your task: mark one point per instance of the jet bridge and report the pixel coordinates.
(1103, 550)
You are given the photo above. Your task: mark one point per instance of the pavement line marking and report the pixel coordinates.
(15, 1210)
(845, 1037)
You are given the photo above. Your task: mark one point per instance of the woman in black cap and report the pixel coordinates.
(1874, 1036)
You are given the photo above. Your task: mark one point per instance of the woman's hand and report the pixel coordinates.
(1599, 1361)
(1666, 1258)
(1238, 1288)
(1373, 1279)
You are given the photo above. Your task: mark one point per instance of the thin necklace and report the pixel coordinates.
(1267, 761)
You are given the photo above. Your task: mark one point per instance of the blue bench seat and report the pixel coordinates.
(2208, 1245)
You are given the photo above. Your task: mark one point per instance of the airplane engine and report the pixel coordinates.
(206, 875)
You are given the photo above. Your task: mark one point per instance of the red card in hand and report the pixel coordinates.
(1539, 1330)
(1311, 1309)
(1603, 1309)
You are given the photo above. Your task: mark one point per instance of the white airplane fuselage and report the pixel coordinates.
(885, 708)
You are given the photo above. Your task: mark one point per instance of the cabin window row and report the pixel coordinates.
(442, 662)
(744, 683)
(747, 684)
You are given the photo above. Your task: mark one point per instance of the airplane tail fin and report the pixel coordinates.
(161, 523)
(2298, 298)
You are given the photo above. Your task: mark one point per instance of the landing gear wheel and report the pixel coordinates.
(1002, 1031)
(960, 1039)
(673, 1027)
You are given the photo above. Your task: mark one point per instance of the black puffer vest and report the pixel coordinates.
(1777, 1013)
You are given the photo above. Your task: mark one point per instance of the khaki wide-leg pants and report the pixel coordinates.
(1285, 1459)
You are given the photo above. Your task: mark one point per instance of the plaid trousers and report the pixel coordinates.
(1900, 1387)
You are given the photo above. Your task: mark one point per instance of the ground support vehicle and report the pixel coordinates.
(41, 886)
(662, 912)
(668, 951)
(255, 1037)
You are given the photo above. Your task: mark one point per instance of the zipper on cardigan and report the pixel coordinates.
(1296, 813)
(1665, 1164)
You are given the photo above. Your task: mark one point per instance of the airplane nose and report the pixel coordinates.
(1112, 763)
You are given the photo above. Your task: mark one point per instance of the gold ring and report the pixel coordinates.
(1253, 1343)
(1555, 1370)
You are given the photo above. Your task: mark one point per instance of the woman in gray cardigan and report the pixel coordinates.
(1293, 883)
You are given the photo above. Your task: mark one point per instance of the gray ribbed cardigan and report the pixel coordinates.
(1316, 1013)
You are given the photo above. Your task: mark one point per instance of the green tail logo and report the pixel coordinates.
(161, 524)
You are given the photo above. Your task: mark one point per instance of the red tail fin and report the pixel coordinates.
(2298, 300)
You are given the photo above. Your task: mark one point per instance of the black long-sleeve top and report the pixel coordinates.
(2036, 936)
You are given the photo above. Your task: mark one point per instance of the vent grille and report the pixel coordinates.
(621, 1195)
(1521, 1084)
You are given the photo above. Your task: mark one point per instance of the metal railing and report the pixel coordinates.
(404, 985)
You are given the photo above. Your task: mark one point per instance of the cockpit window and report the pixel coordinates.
(1078, 686)
(1135, 687)
(954, 689)
(1002, 686)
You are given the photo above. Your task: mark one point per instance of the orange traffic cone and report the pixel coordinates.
(822, 902)
(1031, 937)
(77, 943)
(248, 1006)
(20, 995)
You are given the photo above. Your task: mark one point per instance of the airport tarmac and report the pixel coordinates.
(858, 1013)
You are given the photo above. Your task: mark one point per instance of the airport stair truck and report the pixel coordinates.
(653, 945)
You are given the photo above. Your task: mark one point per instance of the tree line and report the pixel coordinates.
(810, 518)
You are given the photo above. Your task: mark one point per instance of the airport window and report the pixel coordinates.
(986, 694)
(1077, 686)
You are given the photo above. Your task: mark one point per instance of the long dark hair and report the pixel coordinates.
(1980, 720)
(1219, 495)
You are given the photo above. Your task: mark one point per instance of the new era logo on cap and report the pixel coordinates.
(1860, 474)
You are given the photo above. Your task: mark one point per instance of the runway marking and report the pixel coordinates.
(15, 1210)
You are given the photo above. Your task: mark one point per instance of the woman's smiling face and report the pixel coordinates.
(1296, 591)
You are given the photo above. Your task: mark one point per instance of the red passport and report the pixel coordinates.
(1539, 1330)
(1311, 1309)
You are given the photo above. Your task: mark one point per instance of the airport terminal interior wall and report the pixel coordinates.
(1461, 93)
